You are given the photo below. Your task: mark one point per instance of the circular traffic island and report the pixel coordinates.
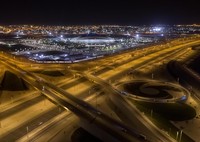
(154, 91)
(146, 89)
(159, 98)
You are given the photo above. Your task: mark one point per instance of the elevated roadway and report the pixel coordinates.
(114, 130)
(96, 115)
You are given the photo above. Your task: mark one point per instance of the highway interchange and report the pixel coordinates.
(103, 73)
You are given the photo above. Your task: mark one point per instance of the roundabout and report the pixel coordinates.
(153, 91)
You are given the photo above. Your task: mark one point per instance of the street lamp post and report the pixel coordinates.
(151, 113)
(177, 133)
(11, 99)
(169, 131)
(27, 131)
(178, 79)
(44, 102)
(152, 75)
(59, 109)
(0, 106)
(181, 132)
(96, 100)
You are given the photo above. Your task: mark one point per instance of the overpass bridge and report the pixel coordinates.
(106, 128)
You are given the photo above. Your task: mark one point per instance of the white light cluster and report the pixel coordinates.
(92, 40)
(157, 29)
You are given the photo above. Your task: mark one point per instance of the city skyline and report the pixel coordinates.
(59, 83)
(99, 71)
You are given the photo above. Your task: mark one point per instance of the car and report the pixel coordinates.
(98, 112)
(40, 123)
(143, 137)
(124, 130)
(23, 72)
(124, 93)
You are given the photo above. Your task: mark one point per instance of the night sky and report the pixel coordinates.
(87, 12)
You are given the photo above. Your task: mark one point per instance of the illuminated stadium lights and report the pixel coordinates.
(17, 36)
(49, 33)
(157, 29)
(93, 40)
(74, 48)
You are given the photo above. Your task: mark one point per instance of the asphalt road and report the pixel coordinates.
(106, 64)
(79, 107)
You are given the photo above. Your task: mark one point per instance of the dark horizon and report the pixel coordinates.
(87, 12)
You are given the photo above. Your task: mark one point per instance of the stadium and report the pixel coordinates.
(93, 39)
(72, 47)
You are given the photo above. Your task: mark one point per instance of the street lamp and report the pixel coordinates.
(151, 113)
(27, 131)
(177, 135)
(96, 99)
(181, 132)
(11, 99)
(152, 75)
